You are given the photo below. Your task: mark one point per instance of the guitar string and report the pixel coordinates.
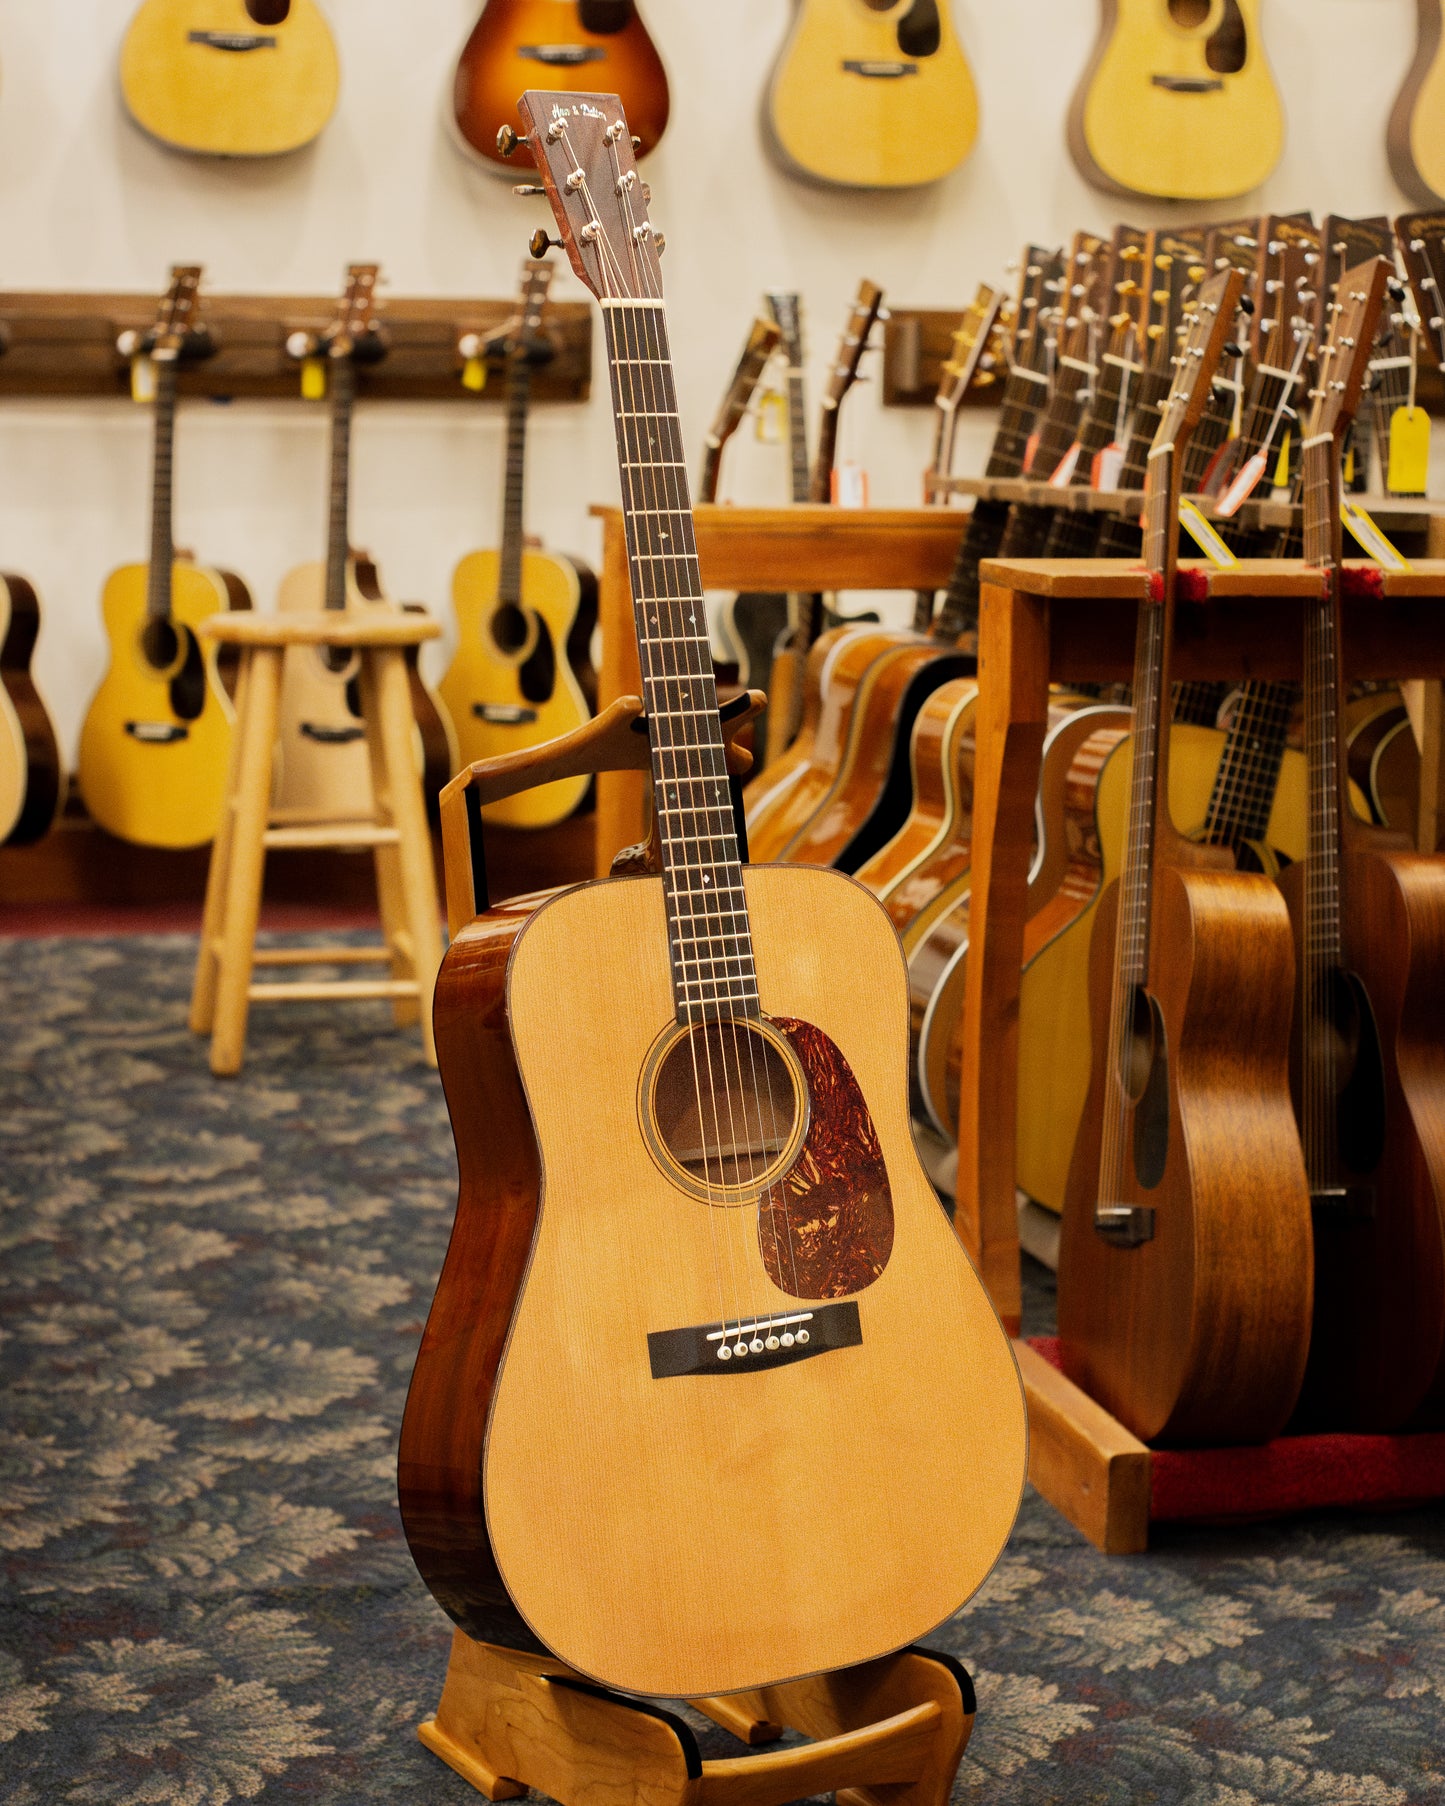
(672, 577)
(757, 1149)
(612, 282)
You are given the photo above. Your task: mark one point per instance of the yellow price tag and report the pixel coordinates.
(313, 378)
(1369, 535)
(1204, 536)
(474, 375)
(1281, 470)
(1409, 468)
(772, 412)
(142, 378)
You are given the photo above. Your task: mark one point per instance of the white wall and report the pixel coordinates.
(86, 202)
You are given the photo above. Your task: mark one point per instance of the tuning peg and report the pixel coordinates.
(1233, 350)
(128, 344)
(1246, 304)
(526, 189)
(302, 345)
(636, 144)
(659, 242)
(539, 244)
(507, 140)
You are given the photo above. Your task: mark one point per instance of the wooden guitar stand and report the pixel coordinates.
(893, 1730)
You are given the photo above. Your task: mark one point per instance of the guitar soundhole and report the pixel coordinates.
(336, 660)
(1189, 15)
(725, 1109)
(509, 628)
(1136, 1055)
(160, 645)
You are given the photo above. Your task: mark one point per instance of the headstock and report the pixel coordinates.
(1041, 285)
(1174, 266)
(1421, 238)
(175, 330)
(1345, 355)
(764, 337)
(356, 332)
(583, 152)
(843, 372)
(1288, 284)
(970, 351)
(1085, 299)
(787, 315)
(1206, 328)
(522, 336)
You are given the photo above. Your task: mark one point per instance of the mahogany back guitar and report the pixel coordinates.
(697, 1269)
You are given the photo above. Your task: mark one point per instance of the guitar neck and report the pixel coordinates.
(1242, 800)
(1324, 698)
(798, 435)
(338, 538)
(820, 484)
(519, 389)
(712, 960)
(158, 576)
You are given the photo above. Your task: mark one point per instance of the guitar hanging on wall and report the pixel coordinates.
(717, 1317)
(32, 776)
(523, 665)
(871, 94)
(573, 42)
(157, 735)
(1177, 101)
(198, 75)
(1415, 135)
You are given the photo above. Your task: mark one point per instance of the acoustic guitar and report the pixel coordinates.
(695, 1255)
(323, 766)
(1188, 1124)
(32, 775)
(1415, 135)
(522, 669)
(871, 94)
(573, 42)
(749, 625)
(972, 363)
(1166, 79)
(1369, 924)
(199, 75)
(156, 739)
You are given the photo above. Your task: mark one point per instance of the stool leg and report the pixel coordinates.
(247, 860)
(208, 964)
(385, 673)
(405, 1011)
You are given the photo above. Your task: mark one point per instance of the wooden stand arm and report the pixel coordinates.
(615, 740)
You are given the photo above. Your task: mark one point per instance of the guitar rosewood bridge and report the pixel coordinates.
(1125, 1225)
(773, 1340)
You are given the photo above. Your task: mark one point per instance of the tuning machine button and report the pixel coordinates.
(659, 242)
(507, 140)
(539, 243)
(526, 189)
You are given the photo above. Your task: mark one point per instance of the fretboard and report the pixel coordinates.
(519, 388)
(1322, 687)
(158, 575)
(797, 434)
(338, 543)
(1244, 785)
(712, 957)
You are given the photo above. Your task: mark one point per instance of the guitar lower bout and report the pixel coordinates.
(623, 1452)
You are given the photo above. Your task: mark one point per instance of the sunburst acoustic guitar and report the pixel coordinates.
(1188, 1122)
(871, 94)
(695, 1256)
(157, 735)
(574, 43)
(522, 669)
(226, 78)
(323, 766)
(1166, 79)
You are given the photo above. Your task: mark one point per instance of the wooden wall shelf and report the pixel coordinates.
(917, 341)
(65, 344)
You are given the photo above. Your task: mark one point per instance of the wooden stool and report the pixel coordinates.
(890, 1731)
(398, 836)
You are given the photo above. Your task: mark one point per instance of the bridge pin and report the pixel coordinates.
(787, 1338)
(757, 1345)
(740, 1349)
(802, 1335)
(773, 1342)
(724, 1353)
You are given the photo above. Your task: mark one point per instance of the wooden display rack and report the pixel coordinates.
(885, 1733)
(1046, 621)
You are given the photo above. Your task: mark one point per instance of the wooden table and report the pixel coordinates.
(805, 547)
(1048, 621)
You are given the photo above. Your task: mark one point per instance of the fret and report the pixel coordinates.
(159, 575)
(519, 388)
(342, 376)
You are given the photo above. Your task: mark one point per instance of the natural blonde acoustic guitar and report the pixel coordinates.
(204, 76)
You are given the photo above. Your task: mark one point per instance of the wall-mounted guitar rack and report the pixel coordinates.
(917, 342)
(65, 344)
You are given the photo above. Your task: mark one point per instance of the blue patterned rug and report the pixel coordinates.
(209, 1301)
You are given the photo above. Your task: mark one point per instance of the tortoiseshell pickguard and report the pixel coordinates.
(826, 1227)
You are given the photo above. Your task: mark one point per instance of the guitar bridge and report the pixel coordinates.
(504, 714)
(1343, 1204)
(765, 1340)
(1125, 1225)
(332, 736)
(157, 733)
(563, 56)
(1188, 84)
(881, 71)
(232, 40)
